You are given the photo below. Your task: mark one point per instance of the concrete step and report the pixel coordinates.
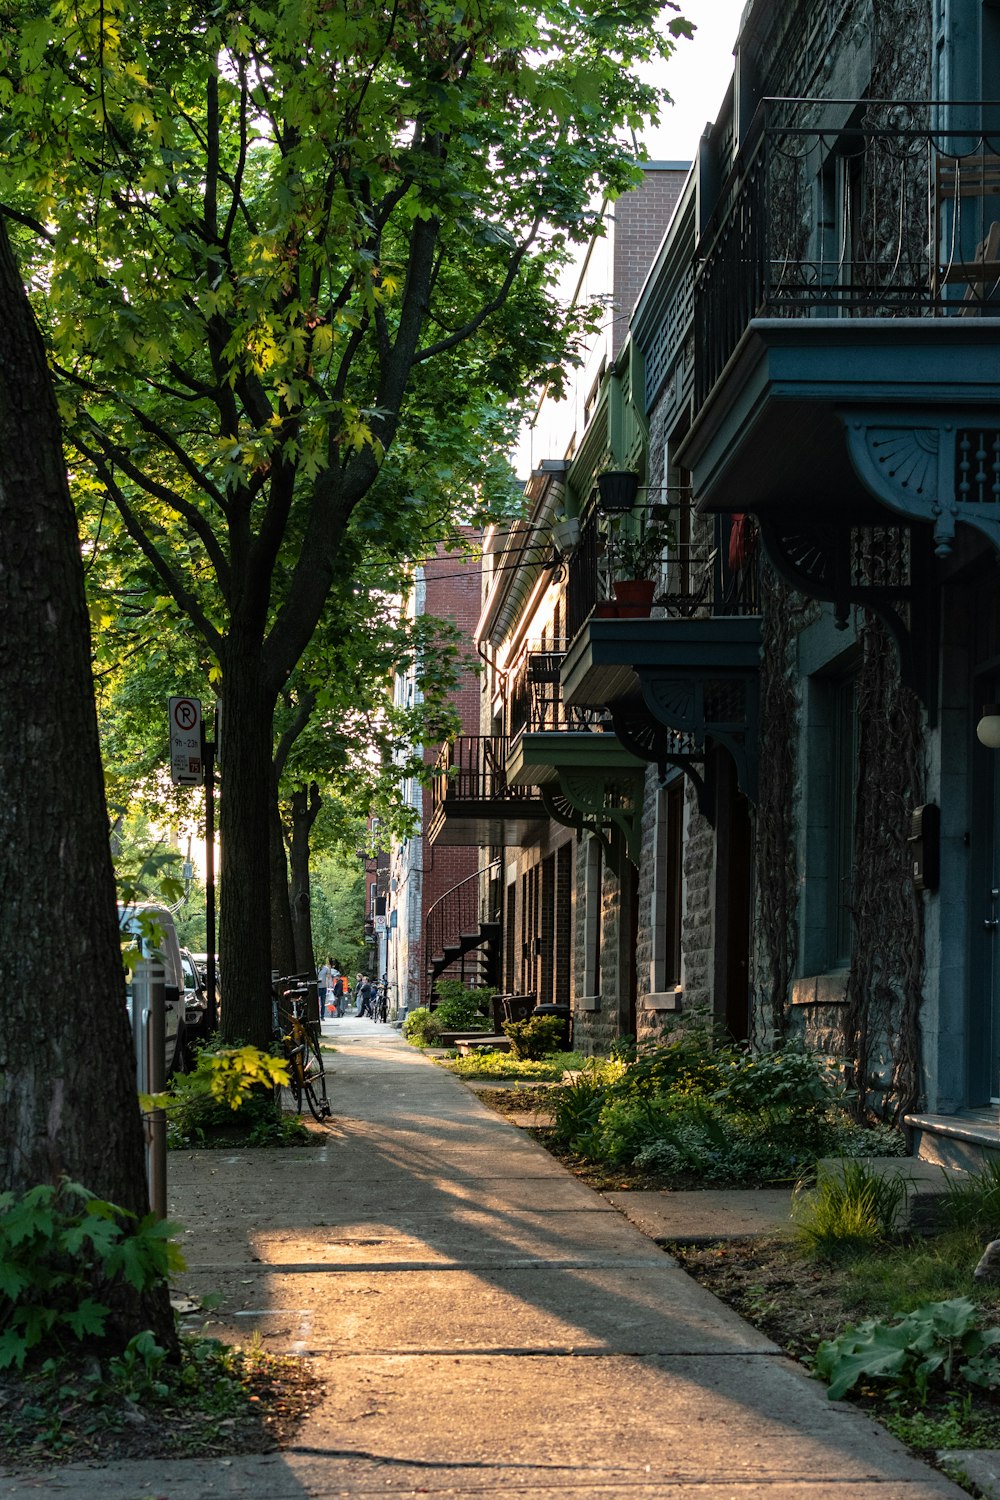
(963, 1142)
(484, 1044)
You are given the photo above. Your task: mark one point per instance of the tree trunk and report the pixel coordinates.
(284, 957)
(305, 805)
(245, 914)
(68, 1100)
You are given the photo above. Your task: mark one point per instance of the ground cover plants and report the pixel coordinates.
(69, 1392)
(698, 1114)
(489, 1065)
(888, 1317)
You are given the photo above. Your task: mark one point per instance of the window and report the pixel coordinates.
(668, 889)
(593, 902)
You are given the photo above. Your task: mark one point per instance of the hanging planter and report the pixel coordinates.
(617, 490)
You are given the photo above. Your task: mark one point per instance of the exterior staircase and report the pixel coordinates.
(462, 933)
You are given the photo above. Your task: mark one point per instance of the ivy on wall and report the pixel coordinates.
(776, 872)
(884, 990)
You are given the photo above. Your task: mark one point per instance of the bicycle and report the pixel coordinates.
(380, 1003)
(300, 1045)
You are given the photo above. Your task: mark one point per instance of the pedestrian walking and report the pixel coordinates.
(364, 995)
(325, 978)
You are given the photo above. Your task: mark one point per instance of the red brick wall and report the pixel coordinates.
(453, 592)
(641, 217)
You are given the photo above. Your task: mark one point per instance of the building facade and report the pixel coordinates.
(779, 816)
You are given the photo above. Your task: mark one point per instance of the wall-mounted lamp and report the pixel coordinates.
(617, 490)
(988, 728)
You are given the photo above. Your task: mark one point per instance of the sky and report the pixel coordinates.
(696, 77)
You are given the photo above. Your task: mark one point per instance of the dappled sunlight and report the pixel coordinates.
(426, 1254)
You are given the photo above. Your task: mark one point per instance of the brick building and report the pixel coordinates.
(420, 874)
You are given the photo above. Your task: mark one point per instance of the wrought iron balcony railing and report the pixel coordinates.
(472, 770)
(850, 209)
(535, 699)
(700, 574)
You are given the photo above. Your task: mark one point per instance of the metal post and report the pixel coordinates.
(149, 1031)
(156, 1120)
(208, 754)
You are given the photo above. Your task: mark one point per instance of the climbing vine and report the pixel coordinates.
(882, 1014)
(775, 844)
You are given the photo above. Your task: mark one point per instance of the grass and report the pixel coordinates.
(849, 1210)
(505, 1065)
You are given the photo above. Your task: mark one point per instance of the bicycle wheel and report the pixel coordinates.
(296, 1075)
(314, 1080)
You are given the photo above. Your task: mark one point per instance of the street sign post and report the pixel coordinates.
(187, 765)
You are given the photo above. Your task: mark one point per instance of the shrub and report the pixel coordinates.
(459, 1007)
(422, 1027)
(535, 1038)
(849, 1211)
(230, 1089)
(56, 1245)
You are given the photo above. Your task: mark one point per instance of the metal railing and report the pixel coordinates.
(534, 696)
(707, 567)
(848, 209)
(473, 769)
(462, 909)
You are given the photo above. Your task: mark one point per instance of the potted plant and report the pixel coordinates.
(636, 566)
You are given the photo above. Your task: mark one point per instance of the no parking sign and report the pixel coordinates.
(187, 767)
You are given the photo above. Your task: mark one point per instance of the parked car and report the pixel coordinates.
(201, 963)
(195, 993)
(151, 929)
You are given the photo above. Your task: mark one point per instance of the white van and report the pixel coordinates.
(135, 923)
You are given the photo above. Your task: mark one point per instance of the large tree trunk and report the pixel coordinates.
(68, 1100)
(305, 807)
(245, 915)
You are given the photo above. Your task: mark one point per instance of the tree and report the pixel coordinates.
(273, 221)
(64, 1033)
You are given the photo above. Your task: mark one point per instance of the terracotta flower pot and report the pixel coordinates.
(635, 597)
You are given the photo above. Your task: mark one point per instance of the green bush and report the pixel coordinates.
(422, 1027)
(688, 1108)
(459, 1007)
(849, 1211)
(56, 1245)
(230, 1090)
(974, 1202)
(537, 1037)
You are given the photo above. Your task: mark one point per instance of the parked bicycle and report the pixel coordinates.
(380, 1001)
(299, 1040)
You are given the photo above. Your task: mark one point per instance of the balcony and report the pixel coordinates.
(472, 799)
(685, 671)
(846, 302)
(587, 779)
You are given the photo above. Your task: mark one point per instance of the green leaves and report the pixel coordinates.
(940, 1339)
(57, 1245)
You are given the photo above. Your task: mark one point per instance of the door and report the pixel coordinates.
(984, 928)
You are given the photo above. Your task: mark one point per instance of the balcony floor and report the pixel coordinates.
(772, 433)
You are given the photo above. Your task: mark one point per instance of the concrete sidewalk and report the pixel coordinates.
(484, 1323)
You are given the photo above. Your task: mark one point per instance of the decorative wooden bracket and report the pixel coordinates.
(888, 569)
(608, 805)
(936, 472)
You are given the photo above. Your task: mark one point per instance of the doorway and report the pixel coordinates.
(984, 915)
